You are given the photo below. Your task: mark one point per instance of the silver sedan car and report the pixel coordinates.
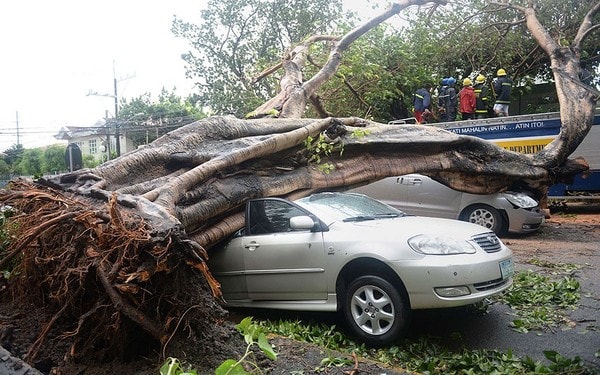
(355, 255)
(510, 211)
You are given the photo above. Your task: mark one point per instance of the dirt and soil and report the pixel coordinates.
(571, 235)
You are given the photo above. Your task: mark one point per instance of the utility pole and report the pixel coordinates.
(18, 140)
(115, 96)
(117, 135)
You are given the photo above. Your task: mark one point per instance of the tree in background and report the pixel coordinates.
(370, 83)
(485, 36)
(5, 169)
(236, 42)
(236, 39)
(53, 160)
(31, 163)
(12, 156)
(144, 120)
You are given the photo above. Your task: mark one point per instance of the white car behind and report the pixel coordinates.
(507, 212)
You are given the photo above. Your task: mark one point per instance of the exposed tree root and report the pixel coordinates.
(99, 269)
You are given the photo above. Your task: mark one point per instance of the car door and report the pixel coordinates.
(427, 197)
(282, 264)
(387, 190)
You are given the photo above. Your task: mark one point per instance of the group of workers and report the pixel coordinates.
(472, 101)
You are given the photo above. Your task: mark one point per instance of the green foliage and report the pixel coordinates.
(424, 355)
(561, 268)
(319, 149)
(479, 37)
(236, 39)
(13, 155)
(360, 133)
(253, 336)
(562, 364)
(370, 83)
(7, 230)
(31, 162)
(5, 169)
(315, 333)
(172, 366)
(540, 301)
(144, 120)
(54, 159)
(330, 361)
(89, 161)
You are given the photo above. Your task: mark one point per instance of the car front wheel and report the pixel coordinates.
(375, 311)
(485, 216)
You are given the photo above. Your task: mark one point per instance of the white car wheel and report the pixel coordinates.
(486, 216)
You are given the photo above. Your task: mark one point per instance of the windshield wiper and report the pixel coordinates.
(388, 214)
(372, 217)
(359, 218)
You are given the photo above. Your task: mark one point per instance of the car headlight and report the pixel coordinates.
(520, 199)
(429, 245)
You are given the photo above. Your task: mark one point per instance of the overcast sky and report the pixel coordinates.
(54, 52)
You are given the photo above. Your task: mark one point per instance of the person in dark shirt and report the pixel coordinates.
(452, 107)
(502, 88)
(481, 92)
(422, 103)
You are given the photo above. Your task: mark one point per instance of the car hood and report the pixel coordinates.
(409, 226)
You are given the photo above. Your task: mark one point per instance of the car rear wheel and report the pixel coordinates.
(375, 311)
(485, 216)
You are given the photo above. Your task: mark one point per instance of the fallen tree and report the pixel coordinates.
(120, 249)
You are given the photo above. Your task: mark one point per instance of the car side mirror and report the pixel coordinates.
(301, 223)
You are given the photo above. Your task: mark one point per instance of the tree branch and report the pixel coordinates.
(586, 27)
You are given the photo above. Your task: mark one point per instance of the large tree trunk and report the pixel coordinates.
(123, 246)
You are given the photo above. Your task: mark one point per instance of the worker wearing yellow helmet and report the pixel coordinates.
(502, 88)
(467, 100)
(481, 93)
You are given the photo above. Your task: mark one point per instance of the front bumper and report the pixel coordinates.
(521, 220)
(481, 279)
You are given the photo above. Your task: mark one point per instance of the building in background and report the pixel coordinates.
(98, 140)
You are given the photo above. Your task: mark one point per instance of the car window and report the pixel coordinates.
(349, 207)
(271, 216)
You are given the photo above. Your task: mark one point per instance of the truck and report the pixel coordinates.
(531, 133)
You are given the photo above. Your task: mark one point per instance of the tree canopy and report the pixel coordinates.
(386, 64)
(144, 119)
(236, 39)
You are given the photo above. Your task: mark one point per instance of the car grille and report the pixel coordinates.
(492, 284)
(488, 242)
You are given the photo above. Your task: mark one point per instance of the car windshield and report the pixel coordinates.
(349, 207)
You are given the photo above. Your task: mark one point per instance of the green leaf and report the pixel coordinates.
(266, 347)
(231, 367)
